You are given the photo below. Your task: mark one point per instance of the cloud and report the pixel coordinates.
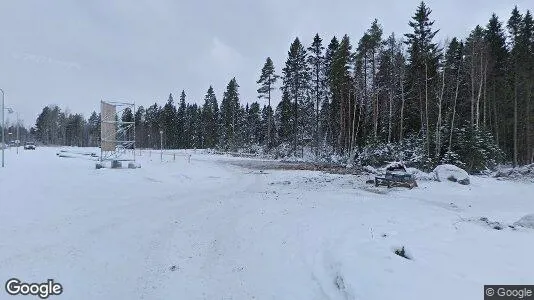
(41, 59)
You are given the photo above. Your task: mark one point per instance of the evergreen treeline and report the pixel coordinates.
(383, 97)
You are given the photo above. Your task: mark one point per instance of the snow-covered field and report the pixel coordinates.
(209, 229)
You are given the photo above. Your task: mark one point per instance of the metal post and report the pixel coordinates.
(161, 143)
(3, 127)
(134, 144)
(18, 135)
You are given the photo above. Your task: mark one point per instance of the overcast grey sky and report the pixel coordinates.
(74, 53)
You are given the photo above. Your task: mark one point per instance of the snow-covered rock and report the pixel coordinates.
(521, 173)
(420, 175)
(526, 221)
(370, 170)
(396, 165)
(452, 173)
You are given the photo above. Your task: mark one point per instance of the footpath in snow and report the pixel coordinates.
(208, 229)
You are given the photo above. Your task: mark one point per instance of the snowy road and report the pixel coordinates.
(212, 230)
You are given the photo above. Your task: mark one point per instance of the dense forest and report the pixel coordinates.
(466, 101)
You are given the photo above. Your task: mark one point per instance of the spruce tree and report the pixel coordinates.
(424, 57)
(180, 122)
(342, 93)
(317, 68)
(496, 74)
(230, 110)
(284, 116)
(169, 123)
(210, 119)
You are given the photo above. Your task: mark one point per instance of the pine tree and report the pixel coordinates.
(296, 78)
(267, 80)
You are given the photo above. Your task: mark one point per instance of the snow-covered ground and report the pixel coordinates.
(208, 229)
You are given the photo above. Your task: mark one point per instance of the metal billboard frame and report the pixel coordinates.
(114, 138)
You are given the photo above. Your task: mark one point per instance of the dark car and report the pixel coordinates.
(29, 146)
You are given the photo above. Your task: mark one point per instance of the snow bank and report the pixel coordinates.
(452, 173)
(526, 221)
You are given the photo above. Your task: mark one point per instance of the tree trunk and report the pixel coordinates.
(515, 121)
(472, 92)
(269, 117)
(426, 112)
(438, 124)
(402, 108)
(454, 108)
(317, 111)
(485, 99)
(390, 115)
(295, 124)
(479, 94)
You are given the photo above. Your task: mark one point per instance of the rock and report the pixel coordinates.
(420, 175)
(451, 173)
(526, 221)
(464, 181)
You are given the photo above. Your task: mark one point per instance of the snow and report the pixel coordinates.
(526, 221)
(420, 175)
(525, 173)
(452, 173)
(209, 229)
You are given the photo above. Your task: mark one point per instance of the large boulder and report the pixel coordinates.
(526, 221)
(451, 173)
